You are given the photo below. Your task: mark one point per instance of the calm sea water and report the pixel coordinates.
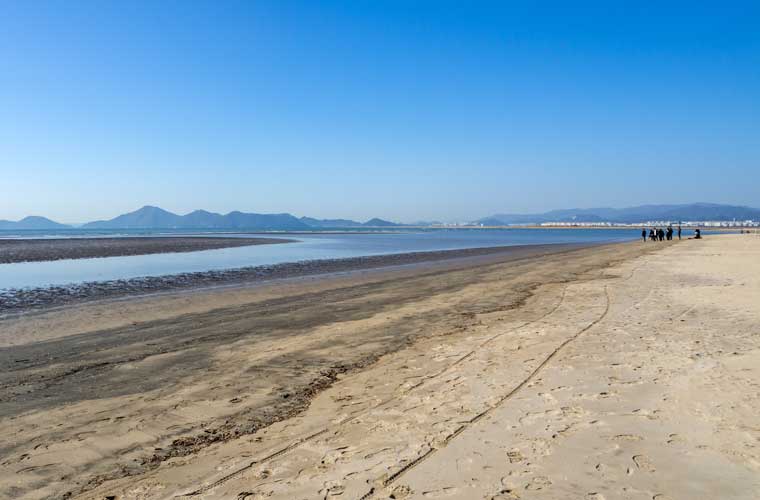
(309, 246)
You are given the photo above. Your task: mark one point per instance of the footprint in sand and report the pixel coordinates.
(338, 455)
(401, 491)
(650, 414)
(627, 437)
(594, 496)
(540, 447)
(538, 483)
(548, 398)
(643, 463)
(332, 489)
(447, 491)
(675, 439)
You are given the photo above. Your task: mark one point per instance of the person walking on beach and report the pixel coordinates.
(660, 234)
(651, 235)
(670, 233)
(643, 234)
(679, 231)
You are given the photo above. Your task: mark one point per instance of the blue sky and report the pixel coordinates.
(405, 110)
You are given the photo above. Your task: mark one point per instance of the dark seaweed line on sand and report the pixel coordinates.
(17, 300)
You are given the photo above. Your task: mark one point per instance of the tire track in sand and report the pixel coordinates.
(296, 444)
(384, 483)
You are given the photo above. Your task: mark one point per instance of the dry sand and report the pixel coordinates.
(614, 372)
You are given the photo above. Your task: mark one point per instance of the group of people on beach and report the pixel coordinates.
(660, 234)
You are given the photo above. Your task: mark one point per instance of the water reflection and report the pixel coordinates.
(308, 247)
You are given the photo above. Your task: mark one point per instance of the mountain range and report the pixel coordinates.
(150, 217)
(643, 213)
(155, 217)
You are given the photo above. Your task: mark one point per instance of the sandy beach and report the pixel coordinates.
(627, 371)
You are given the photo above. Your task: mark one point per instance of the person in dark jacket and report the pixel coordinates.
(643, 234)
(679, 231)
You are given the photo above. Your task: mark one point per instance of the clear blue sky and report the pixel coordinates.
(405, 110)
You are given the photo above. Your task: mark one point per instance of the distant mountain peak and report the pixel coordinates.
(376, 222)
(32, 222)
(151, 208)
(36, 218)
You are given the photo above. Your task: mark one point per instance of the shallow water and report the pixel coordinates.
(309, 246)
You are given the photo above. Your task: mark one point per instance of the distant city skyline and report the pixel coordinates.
(426, 111)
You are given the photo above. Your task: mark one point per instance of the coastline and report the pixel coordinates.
(470, 378)
(149, 382)
(24, 300)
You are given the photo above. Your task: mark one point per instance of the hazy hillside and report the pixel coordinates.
(32, 222)
(329, 223)
(338, 223)
(281, 222)
(379, 223)
(149, 217)
(203, 219)
(146, 217)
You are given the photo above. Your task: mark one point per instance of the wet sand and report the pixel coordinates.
(572, 375)
(20, 300)
(44, 249)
